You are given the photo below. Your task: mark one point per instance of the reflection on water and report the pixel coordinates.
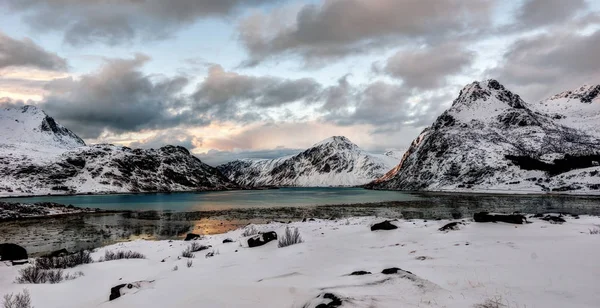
(94, 230)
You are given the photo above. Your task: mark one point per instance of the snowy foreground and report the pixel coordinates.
(534, 265)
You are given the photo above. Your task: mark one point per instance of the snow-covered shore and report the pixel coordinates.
(532, 265)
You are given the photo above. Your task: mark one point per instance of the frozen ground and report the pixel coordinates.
(10, 210)
(534, 265)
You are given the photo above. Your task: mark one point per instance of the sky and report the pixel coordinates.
(233, 79)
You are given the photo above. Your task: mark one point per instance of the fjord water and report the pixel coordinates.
(224, 200)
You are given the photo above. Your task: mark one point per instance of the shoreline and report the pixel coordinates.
(490, 192)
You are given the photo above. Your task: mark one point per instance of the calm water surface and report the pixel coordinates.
(217, 212)
(223, 200)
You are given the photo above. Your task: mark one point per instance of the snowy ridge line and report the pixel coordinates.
(335, 161)
(491, 140)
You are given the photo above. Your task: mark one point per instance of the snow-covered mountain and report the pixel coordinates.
(335, 161)
(490, 139)
(39, 156)
(579, 108)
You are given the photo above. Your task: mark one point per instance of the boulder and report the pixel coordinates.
(394, 270)
(507, 218)
(384, 225)
(115, 292)
(450, 226)
(10, 252)
(132, 287)
(227, 240)
(554, 219)
(261, 239)
(191, 236)
(359, 273)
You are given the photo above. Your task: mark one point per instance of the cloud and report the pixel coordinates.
(216, 157)
(545, 64)
(170, 136)
(116, 22)
(429, 67)
(538, 13)
(381, 105)
(26, 53)
(231, 96)
(337, 27)
(119, 98)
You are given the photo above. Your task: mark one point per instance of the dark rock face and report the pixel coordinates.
(554, 219)
(261, 239)
(450, 226)
(115, 292)
(490, 138)
(191, 236)
(10, 252)
(359, 273)
(394, 270)
(328, 300)
(385, 225)
(510, 218)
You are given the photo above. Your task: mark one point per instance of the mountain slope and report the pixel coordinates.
(579, 108)
(491, 140)
(40, 156)
(335, 161)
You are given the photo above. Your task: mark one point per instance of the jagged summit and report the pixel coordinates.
(31, 125)
(490, 139)
(490, 91)
(40, 156)
(339, 142)
(585, 94)
(335, 161)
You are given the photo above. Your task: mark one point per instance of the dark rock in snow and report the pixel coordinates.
(554, 219)
(326, 300)
(227, 240)
(359, 273)
(191, 236)
(385, 225)
(20, 262)
(510, 218)
(394, 270)
(10, 252)
(450, 226)
(115, 292)
(261, 239)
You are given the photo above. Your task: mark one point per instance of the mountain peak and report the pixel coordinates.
(30, 124)
(335, 141)
(484, 90)
(585, 94)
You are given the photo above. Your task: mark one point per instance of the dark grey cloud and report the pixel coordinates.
(26, 53)
(385, 106)
(118, 21)
(119, 98)
(545, 64)
(170, 136)
(537, 13)
(429, 67)
(7, 102)
(231, 96)
(216, 157)
(336, 28)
